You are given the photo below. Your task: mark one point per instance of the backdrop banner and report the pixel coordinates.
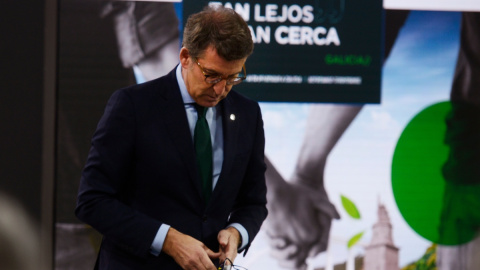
(310, 51)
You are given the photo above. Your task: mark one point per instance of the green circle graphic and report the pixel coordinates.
(438, 210)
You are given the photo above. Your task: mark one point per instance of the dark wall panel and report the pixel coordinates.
(21, 97)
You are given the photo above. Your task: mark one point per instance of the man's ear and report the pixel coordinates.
(184, 57)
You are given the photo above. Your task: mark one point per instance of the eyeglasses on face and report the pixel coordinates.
(216, 78)
(228, 265)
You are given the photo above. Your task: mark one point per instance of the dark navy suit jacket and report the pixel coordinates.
(141, 173)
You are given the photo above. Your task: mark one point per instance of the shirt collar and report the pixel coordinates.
(183, 88)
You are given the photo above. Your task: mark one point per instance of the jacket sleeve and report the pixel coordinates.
(103, 198)
(250, 209)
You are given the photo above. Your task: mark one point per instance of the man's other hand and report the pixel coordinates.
(229, 240)
(188, 252)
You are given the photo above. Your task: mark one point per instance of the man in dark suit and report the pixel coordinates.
(141, 186)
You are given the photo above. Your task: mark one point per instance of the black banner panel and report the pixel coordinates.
(310, 51)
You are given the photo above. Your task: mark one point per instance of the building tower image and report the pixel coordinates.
(381, 253)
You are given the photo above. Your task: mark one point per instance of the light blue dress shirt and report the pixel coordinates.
(214, 119)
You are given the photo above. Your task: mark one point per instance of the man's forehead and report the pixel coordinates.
(214, 63)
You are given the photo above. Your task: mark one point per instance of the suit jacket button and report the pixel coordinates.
(204, 218)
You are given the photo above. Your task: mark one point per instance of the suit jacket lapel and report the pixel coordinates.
(230, 133)
(173, 116)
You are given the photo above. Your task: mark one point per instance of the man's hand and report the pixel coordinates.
(229, 240)
(188, 252)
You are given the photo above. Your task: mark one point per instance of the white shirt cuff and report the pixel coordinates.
(243, 233)
(159, 239)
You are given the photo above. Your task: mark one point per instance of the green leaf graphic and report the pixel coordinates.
(354, 239)
(350, 207)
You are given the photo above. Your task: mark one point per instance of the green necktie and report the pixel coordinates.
(203, 151)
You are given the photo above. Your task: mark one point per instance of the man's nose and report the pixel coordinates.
(219, 87)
